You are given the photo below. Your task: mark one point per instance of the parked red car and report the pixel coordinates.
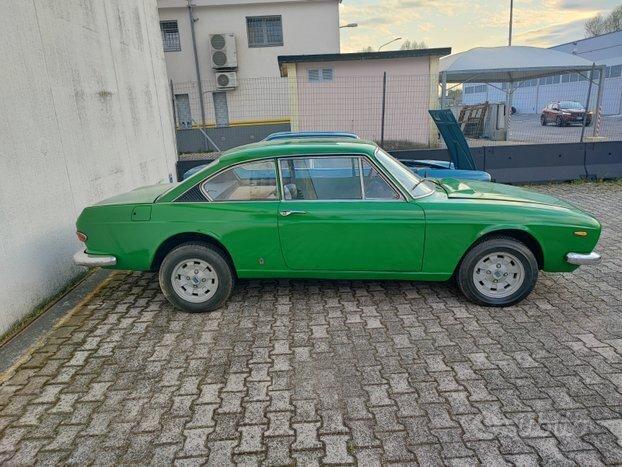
(564, 113)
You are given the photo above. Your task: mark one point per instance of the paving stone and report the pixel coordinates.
(315, 372)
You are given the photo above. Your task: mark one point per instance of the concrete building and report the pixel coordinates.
(345, 92)
(533, 95)
(256, 32)
(86, 114)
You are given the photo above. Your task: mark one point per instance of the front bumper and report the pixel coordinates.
(82, 258)
(583, 259)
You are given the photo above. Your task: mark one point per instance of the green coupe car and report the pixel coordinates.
(333, 209)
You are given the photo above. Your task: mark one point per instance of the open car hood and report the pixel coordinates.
(461, 189)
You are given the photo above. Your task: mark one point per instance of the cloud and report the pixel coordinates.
(582, 5)
(552, 35)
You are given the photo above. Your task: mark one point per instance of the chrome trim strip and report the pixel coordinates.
(82, 258)
(583, 259)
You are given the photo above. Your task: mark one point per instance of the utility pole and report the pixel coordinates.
(196, 61)
(511, 13)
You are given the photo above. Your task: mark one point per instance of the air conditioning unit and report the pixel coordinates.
(223, 53)
(226, 80)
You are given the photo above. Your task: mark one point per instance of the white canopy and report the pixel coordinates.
(509, 64)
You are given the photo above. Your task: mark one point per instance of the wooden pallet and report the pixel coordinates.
(472, 118)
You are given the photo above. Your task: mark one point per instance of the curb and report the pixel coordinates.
(17, 350)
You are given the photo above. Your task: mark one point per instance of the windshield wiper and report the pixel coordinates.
(436, 182)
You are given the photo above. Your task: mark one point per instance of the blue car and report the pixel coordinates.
(461, 166)
(309, 134)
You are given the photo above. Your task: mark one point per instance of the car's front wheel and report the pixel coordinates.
(196, 277)
(499, 271)
(559, 121)
(542, 120)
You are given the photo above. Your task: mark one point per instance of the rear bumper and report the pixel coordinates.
(583, 259)
(82, 258)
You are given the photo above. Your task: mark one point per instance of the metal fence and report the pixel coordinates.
(389, 109)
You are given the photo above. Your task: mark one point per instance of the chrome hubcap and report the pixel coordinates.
(498, 275)
(194, 280)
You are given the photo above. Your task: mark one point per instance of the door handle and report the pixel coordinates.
(289, 213)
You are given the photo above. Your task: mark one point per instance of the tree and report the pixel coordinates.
(600, 24)
(368, 49)
(412, 45)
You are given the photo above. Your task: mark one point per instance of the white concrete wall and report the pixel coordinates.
(309, 27)
(85, 114)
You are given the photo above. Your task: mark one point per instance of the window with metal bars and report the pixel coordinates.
(264, 31)
(170, 36)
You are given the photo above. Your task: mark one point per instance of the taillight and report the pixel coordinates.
(82, 237)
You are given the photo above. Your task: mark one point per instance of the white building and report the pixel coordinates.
(256, 32)
(533, 95)
(85, 115)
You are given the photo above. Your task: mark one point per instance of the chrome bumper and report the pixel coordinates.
(581, 259)
(82, 258)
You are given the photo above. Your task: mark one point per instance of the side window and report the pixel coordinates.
(321, 178)
(253, 181)
(375, 186)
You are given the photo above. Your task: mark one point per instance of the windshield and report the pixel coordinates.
(570, 105)
(414, 184)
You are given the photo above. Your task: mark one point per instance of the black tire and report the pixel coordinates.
(542, 120)
(466, 280)
(559, 121)
(219, 265)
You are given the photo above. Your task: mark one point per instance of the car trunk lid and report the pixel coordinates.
(142, 195)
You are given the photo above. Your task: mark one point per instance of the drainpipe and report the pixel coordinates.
(196, 61)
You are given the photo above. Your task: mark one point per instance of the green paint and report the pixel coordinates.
(422, 238)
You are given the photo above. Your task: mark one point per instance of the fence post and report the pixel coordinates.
(587, 102)
(596, 120)
(384, 102)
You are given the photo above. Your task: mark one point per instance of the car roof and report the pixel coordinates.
(276, 148)
(297, 146)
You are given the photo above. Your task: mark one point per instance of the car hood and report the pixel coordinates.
(461, 189)
(142, 195)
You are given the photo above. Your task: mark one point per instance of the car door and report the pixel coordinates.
(554, 113)
(340, 213)
(242, 214)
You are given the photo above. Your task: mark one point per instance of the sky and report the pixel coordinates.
(465, 24)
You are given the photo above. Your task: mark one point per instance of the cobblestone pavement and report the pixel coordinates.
(343, 372)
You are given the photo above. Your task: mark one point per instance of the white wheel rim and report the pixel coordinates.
(498, 275)
(194, 280)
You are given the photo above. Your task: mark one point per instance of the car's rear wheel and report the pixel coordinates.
(499, 271)
(559, 121)
(542, 120)
(196, 277)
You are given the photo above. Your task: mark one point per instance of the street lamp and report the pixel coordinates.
(511, 17)
(349, 25)
(390, 42)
